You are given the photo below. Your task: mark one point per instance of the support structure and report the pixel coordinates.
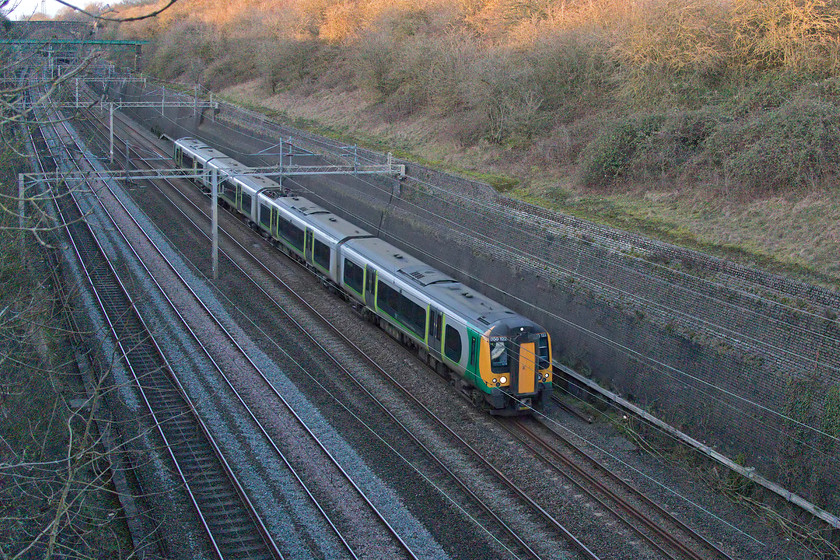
(214, 181)
(21, 202)
(111, 132)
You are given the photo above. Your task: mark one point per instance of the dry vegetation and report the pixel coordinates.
(723, 104)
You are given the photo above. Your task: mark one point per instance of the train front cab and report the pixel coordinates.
(518, 369)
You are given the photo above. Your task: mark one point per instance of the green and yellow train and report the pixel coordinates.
(498, 358)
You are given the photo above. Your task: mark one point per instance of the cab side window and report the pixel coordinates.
(452, 346)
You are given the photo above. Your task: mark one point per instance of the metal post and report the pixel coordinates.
(162, 100)
(111, 135)
(214, 181)
(77, 93)
(355, 158)
(195, 102)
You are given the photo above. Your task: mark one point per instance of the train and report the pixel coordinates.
(497, 358)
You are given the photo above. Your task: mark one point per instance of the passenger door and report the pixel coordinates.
(308, 245)
(435, 334)
(370, 286)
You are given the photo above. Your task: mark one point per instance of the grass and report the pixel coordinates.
(745, 233)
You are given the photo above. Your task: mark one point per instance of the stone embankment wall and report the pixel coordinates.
(743, 360)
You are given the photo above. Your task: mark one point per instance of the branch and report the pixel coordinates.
(118, 20)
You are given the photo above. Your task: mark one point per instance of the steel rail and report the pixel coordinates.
(703, 541)
(125, 353)
(227, 380)
(586, 482)
(481, 503)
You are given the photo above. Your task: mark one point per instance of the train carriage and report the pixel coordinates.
(237, 189)
(194, 154)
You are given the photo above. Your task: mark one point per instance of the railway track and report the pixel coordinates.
(194, 455)
(664, 532)
(229, 536)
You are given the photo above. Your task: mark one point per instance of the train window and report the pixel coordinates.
(452, 346)
(265, 215)
(370, 280)
(354, 275)
(543, 352)
(290, 233)
(226, 189)
(321, 255)
(402, 309)
(472, 351)
(434, 331)
(246, 202)
(498, 356)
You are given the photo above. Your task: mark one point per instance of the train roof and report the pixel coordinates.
(227, 164)
(321, 219)
(197, 147)
(223, 162)
(451, 294)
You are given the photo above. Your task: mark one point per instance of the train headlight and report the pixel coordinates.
(503, 380)
(495, 380)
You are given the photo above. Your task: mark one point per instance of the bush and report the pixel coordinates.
(284, 63)
(184, 50)
(607, 158)
(671, 51)
(679, 141)
(786, 34)
(795, 147)
(572, 71)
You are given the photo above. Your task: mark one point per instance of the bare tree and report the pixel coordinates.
(56, 495)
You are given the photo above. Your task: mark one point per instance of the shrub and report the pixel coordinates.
(793, 147)
(607, 158)
(287, 62)
(184, 50)
(668, 49)
(572, 71)
(789, 34)
(680, 139)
